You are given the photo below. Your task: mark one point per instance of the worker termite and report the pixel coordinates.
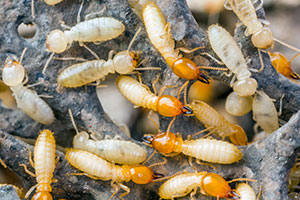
(227, 49)
(264, 112)
(97, 168)
(210, 184)
(44, 165)
(283, 65)
(28, 100)
(217, 123)
(209, 150)
(160, 36)
(245, 192)
(112, 150)
(237, 105)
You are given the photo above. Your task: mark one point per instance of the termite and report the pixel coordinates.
(97, 168)
(210, 184)
(237, 105)
(137, 94)
(137, 6)
(160, 36)
(201, 91)
(245, 192)
(228, 51)
(217, 123)
(112, 150)
(264, 112)
(283, 65)
(52, 2)
(209, 150)
(44, 165)
(28, 100)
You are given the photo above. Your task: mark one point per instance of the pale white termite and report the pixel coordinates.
(113, 150)
(137, 6)
(44, 165)
(245, 192)
(237, 105)
(93, 30)
(28, 100)
(264, 112)
(227, 49)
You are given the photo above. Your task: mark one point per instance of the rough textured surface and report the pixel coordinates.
(8, 192)
(268, 161)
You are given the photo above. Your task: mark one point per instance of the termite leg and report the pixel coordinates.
(57, 159)
(30, 191)
(191, 163)
(185, 50)
(192, 194)
(213, 58)
(83, 174)
(3, 163)
(116, 188)
(70, 58)
(154, 83)
(30, 157)
(46, 96)
(63, 25)
(90, 50)
(147, 160)
(124, 187)
(202, 163)
(92, 15)
(110, 54)
(152, 120)
(169, 127)
(47, 63)
(79, 12)
(26, 79)
(26, 170)
(200, 132)
(232, 81)
(35, 84)
(280, 105)
(227, 5)
(262, 65)
(22, 55)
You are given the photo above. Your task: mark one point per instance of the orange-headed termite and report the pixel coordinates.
(97, 168)
(245, 192)
(209, 150)
(44, 165)
(237, 105)
(28, 100)
(212, 119)
(228, 51)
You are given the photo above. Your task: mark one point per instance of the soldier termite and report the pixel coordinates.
(210, 184)
(283, 65)
(28, 100)
(209, 150)
(245, 192)
(97, 168)
(237, 105)
(217, 123)
(227, 49)
(264, 112)
(44, 165)
(112, 150)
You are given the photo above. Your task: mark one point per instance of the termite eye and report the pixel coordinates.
(203, 78)
(148, 139)
(187, 110)
(157, 175)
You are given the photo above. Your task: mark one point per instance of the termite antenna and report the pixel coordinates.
(242, 179)
(214, 68)
(30, 191)
(32, 9)
(149, 158)
(73, 121)
(159, 163)
(295, 56)
(167, 177)
(47, 63)
(22, 55)
(134, 37)
(261, 61)
(169, 127)
(287, 45)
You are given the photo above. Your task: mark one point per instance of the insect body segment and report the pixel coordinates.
(211, 118)
(226, 48)
(93, 30)
(237, 105)
(209, 150)
(160, 36)
(28, 100)
(165, 105)
(83, 73)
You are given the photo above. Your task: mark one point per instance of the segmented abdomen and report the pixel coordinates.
(83, 73)
(245, 11)
(44, 157)
(132, 90)
(227, 49)
(212, 150)
(95, 30)
(245, 192)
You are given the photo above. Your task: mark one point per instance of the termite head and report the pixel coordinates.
(187, 69)
(245, 87)
(142, 175)
(125, 62)
(263, 39)
(42, 196)
(170, 106)
(13, 72)
(217, 186)
(56, 41)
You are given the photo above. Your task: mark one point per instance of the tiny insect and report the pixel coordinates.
(97, 168)
(245, 192)
(112, 150)
(138, 95)
(283, 65)
(209, 150)
(227, 49)
(237, 105)
(217, 123)
(160, 36)
(28, 100)
(264, 112)
(210, 184)
(44, 165)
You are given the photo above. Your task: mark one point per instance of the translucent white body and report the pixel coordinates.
(264, 112)
(115, 151)
(237, 105)
(52, 2)
(27, 99)
(228, 51)
(137, 6)
(83, 73)
(245, 191)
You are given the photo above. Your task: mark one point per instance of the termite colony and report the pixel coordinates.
(120, 160)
